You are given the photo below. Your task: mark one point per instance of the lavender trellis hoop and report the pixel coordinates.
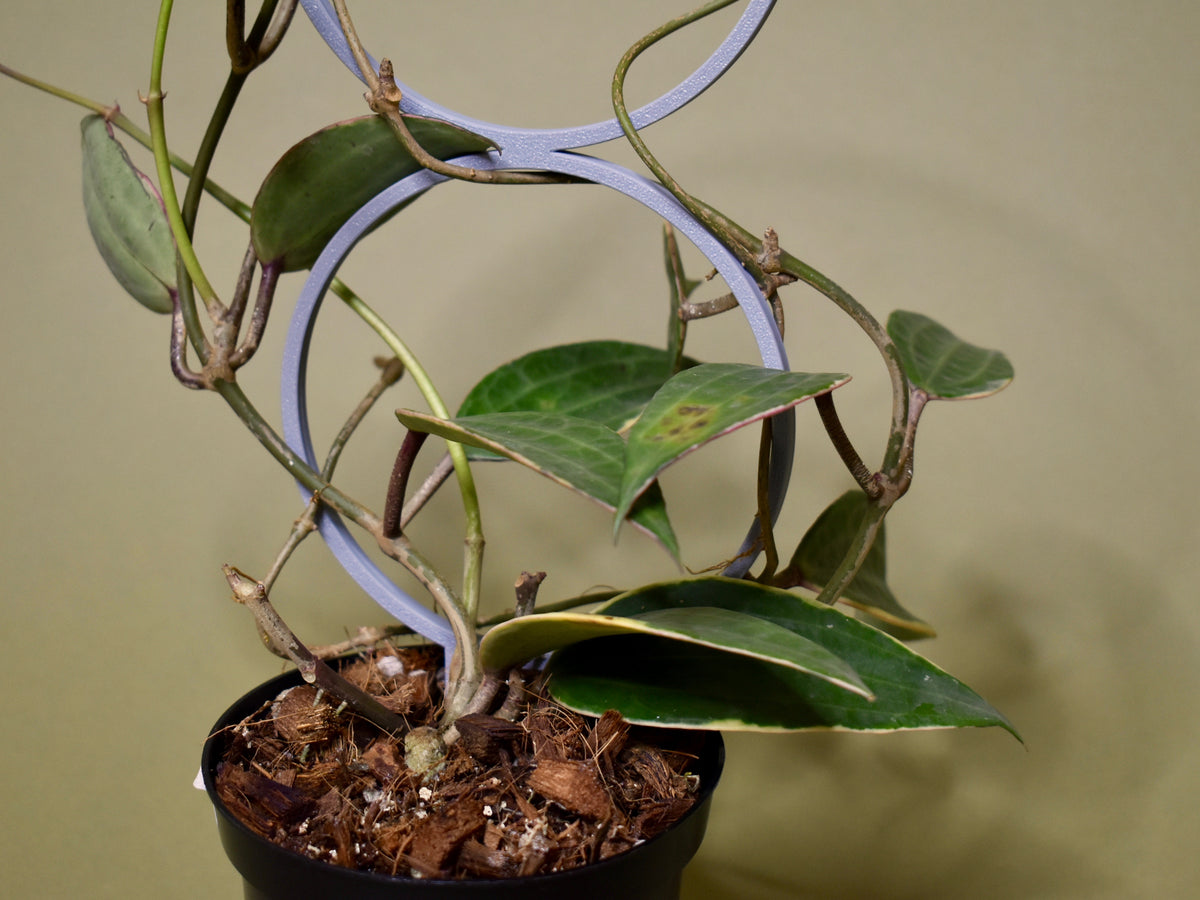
(544, 150)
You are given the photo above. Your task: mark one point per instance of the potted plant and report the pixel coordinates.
(394, 772)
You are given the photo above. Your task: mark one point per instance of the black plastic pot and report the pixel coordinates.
(650, 871)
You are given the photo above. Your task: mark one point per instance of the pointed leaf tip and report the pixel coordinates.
(672, 683)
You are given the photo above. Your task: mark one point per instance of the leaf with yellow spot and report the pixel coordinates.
(702, 403)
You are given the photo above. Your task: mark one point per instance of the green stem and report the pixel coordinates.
(399, 549)
(765, 524)
(883, 490)
(790, 265)
(245, 410)
(679, 292)
(460, 614)
(860, 546)
(466, 671)
(162, 159)
(55, 91)
(462, 469)
(224, 108)
(748, 248)
(749, 251)
(239, 72)
(128, 126)
(718, 224)
(306, 524)
(191, 200)
(208, 147)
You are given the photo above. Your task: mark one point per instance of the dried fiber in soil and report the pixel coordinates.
(548, 791)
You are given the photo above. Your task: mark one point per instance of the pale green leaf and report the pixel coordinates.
(127, 219)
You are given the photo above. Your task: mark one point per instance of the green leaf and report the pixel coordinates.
(323, 180)
(728, 631)
(126, 218)
(585, 456)
(943, 366)
(825, 545)
(703, 403)
(659, 682)
(609, 382)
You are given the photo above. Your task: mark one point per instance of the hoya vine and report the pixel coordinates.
(601, 418)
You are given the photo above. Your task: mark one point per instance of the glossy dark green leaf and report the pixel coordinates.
(659, 682)
(943, 366)
(702, 403)
(821, 552)
(582, 455)
(126, 218)
(323, 180)
(728, 631)
(609, 382)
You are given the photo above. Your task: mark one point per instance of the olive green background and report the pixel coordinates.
(1024, 172)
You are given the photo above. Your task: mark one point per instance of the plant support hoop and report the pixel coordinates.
(546, 150)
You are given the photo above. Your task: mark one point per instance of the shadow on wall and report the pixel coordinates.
(1081, 650)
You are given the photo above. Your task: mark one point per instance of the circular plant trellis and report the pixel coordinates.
(546, 150)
